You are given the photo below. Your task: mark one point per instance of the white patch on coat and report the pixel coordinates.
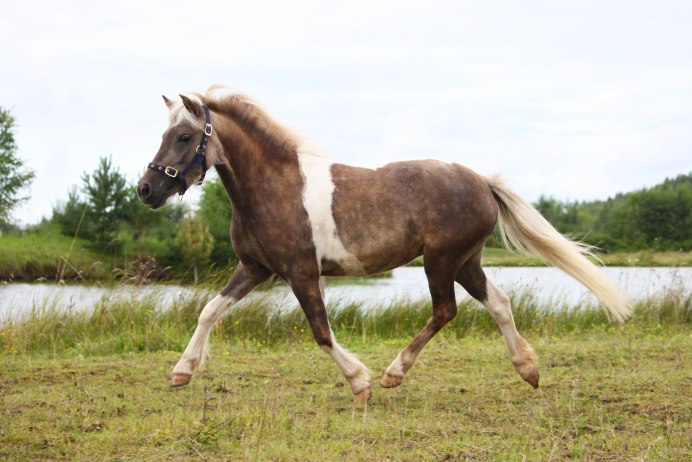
(317, 199)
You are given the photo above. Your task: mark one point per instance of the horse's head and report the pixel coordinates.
(182, 158)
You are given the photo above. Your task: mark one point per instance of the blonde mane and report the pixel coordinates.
(223, 99)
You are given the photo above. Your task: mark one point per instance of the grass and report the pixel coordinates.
(125, 325)
(648, 258)
(51, 256)
(604, 396)
(493, 256)
(93, 386)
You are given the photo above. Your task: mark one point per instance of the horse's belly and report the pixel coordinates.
(371, 255)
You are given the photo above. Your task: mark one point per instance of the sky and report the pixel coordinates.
(578, 100)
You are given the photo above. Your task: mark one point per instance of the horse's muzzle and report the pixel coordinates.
(144, 191)
(147, 196)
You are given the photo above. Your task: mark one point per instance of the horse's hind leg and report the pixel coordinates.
(440, 275)
(472, 277)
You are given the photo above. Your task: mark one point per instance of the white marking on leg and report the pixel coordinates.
(317, 200)
(520, 352)
(194, 354)
(357, 374)
(499, 307)
(399, 366)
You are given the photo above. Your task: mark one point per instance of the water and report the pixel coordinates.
(547, 285)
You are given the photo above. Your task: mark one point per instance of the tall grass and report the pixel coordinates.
(120, 326)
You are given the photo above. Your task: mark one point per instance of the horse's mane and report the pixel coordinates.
(223, 99)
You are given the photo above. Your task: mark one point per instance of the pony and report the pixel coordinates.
(300, 217)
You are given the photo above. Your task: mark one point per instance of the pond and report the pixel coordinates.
(547, 285)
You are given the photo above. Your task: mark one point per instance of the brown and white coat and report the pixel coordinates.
(301, 217)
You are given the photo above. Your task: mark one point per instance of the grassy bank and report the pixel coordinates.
(93, 386)
(50, 257)
(54, 257)
(493, 256)
(604, 396)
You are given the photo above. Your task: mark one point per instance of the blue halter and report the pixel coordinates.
(198, 161)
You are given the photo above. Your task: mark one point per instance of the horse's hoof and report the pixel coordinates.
(363, 395)
(532, 379)
(180, 380)
(391, 381)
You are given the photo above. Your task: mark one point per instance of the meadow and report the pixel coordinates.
(94, 386)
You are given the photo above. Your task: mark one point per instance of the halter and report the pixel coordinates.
(199, 160)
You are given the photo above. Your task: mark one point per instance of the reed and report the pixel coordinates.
(120, 326)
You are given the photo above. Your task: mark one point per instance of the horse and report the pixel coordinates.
(300, 217)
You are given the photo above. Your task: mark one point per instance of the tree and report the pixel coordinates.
(13, 177)
(107, 194)
(215, 209)
(196, 243)
(70, 214)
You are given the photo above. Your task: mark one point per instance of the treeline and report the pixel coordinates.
(657, 218)
(106, 212)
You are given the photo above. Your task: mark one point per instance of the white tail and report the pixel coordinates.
(525, 230)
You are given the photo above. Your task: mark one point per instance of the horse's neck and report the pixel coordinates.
(247, 163)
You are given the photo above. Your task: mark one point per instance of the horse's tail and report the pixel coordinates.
(524, 230)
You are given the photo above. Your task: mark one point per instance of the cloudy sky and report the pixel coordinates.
(573, 99)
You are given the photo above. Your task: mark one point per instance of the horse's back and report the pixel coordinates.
(387, 216)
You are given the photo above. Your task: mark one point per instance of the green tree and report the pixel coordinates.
(107, 194)
(70, 214)
(13, 177)
(659, 217)
(196, 243)
(215, 209)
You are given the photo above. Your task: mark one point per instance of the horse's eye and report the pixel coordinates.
(184, 138)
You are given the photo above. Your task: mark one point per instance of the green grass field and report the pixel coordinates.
(94, 386)
(604, 396)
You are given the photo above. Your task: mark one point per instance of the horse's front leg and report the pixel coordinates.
(309, 295)
(244, 279)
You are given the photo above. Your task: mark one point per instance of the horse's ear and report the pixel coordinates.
(168, 102)
(191, 105)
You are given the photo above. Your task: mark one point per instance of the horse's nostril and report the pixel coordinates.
(144, 191)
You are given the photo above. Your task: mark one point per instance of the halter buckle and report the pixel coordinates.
(208, 129)
(170, 171)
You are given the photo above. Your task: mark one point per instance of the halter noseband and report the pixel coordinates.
(199, 160)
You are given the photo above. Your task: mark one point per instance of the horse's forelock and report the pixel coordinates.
(178, 113)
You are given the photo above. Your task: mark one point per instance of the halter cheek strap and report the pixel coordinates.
(198, 161)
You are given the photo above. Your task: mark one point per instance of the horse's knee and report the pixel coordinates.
(213, 310)
(205, 318)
